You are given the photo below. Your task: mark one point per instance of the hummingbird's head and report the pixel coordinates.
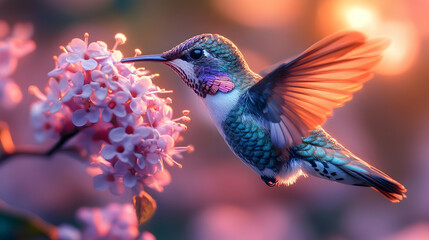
(208, 63)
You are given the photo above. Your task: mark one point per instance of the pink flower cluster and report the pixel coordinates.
(115, 221)
(126, 129)
(12, 47)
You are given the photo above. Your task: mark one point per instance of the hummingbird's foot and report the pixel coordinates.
(270, 181)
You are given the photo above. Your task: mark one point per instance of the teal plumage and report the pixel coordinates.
(250, 141)
(273, 122)
(326, 158)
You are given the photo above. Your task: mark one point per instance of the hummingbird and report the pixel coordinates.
(272, 120)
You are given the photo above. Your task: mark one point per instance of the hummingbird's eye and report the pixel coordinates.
(196, 54)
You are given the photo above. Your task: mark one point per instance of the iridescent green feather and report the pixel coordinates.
(251, 142)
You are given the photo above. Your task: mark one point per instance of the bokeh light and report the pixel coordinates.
(359, 17)
(368, 17)
(6, 141)
(403, 51)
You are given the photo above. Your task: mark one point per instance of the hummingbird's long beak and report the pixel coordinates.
(146, 58)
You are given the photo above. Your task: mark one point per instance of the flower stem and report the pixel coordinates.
(5, 156)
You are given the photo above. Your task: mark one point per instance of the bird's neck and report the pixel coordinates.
(220, 104)
(245, 79)
(240, 73)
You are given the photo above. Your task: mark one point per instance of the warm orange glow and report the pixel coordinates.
(368, 17)
(335, 15)
(259, 13)
(402, 53)
(419, 16)
(292, 179)
(6, 139)
(359, 17)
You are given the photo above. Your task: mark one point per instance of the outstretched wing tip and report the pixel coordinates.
(324, 77)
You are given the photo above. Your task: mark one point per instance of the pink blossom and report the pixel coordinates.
(136, 87)
(49, 125)
(137, 134)
(105, 176)
(127, 172)
(12, 47)
(89, 114)
(20, 42)
(118, 150)
(105, 78)
(91, 139)
(158, 180)
(77, 88)
(10, 94)
(62, 67)
(113, 106)
(51, 101)
(115, 221)
(86, 55)
(132, 130)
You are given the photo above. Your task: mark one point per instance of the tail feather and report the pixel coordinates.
(324, 157)
(390, 188)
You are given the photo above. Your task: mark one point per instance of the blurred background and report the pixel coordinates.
(215, 196)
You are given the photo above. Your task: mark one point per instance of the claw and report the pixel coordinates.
(270, 181)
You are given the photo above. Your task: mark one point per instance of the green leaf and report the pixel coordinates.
(15, 225)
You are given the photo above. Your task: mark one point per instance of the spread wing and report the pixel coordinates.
(300, 95)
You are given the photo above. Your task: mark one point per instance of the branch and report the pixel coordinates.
(64, 139)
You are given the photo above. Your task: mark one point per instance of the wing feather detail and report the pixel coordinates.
(298, 96)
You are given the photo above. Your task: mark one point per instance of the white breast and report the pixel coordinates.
(220, 104)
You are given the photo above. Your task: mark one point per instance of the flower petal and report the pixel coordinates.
(108, 152)
(121, 168)
(124, 157)
(143, 132)
(120, 111)
(86, 91)
(138, 106)
(97, 76)
(106, 115)
(64, 84)
(117, 56)
(152, 158)
(122, 97)
(67, 96)
(79, 118)
(143, 84)
(165, 141)
(78, 45)
(89, 64)
(101, 93)
(117, 134)
(93, 115)
(56, 106)
(73, 58)
(109, 69)
(53, 85)
(77, 79)
(94, 47)
(129, 180)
